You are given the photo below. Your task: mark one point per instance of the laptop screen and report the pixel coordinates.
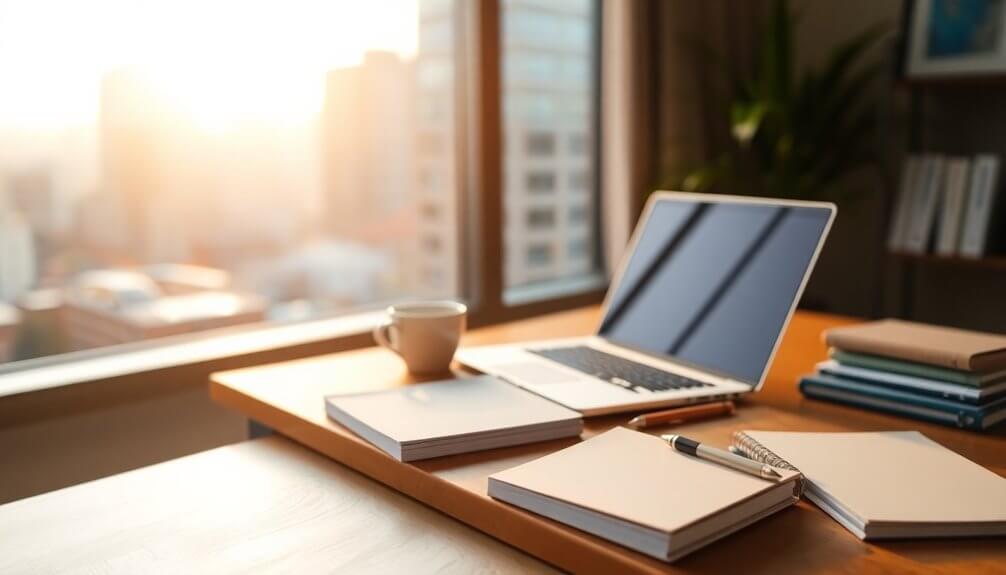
(711, 284)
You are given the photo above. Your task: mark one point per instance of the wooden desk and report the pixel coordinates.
(288, 398)
(263, 506)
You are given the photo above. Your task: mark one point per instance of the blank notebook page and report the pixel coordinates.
(899, 476)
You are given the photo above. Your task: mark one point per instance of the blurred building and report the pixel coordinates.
(175, 279)
(18, 267)
(41, 332)
(367, 143)
(435, 262)
(9, 321)
(547, 105)
(107, 307)
(133, 141)
(32, 193)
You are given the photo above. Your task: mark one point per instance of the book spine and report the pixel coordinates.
(924, 205)
(984, 180)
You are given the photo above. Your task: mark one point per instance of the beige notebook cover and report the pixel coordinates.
(923, 343)
(888, 484)
(637, 478)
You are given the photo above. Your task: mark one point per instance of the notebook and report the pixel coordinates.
(918, 369)
(455, 416)
(936, 345)
(976, 395)
(889, 484)
(633, 489)
(967, 415)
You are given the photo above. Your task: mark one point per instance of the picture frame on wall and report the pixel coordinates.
(956, 38)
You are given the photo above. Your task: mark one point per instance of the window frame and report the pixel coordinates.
(167, 362)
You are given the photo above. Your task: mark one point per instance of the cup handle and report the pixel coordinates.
(382, 335)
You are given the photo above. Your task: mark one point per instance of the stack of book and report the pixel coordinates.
(947, 375)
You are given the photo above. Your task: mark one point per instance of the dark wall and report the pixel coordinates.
(855, 274)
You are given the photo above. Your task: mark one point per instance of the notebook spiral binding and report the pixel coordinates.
(758, 452)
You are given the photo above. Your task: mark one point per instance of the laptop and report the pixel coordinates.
(694, 313)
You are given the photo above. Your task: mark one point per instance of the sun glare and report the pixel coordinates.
(217, 61)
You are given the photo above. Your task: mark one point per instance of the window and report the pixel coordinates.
(541, 144)
(579, 181)
(578, 214)
(579, 249)
(182, 174)
(540, 218)
(578, 144)
(539, 255)
(549, 100)
(153, 187)
(540, 182)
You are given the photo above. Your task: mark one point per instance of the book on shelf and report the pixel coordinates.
(928, 188)
(981, 202)
(901, 214)
(955, 193)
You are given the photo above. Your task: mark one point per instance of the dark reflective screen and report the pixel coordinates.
(711, 284)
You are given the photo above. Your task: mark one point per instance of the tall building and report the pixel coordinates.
(547, 76)
(367, 146)
(437, 250)
(547, 103)
(151, 165)
(9, 320)
(18, 268)
(370, 163)
(130, 147)
(32, 193)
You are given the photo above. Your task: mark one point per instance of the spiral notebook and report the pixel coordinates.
(887, 485)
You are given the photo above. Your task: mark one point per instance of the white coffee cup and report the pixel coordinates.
(424, 334)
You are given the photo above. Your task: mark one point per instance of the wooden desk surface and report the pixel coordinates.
(288, 397)
(263, 506)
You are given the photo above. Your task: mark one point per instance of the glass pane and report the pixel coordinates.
(549, 60)
(174, 166)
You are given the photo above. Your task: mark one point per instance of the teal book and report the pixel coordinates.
(899, 402)
(915, 384)
(917, 369)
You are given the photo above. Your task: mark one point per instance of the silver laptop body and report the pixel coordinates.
(694, 313)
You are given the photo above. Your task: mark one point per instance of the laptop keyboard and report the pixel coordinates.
(636, 377)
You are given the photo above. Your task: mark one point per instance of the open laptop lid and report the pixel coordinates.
(711, 281)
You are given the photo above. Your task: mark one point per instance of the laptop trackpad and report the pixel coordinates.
(536, 373)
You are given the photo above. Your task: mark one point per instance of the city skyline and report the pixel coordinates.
(354, 201)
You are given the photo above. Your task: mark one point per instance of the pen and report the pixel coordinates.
(692, 447)
(682, 414)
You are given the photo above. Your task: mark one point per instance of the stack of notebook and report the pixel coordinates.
(940, 374)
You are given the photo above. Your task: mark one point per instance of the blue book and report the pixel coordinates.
(899, 402)
(915, 384)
